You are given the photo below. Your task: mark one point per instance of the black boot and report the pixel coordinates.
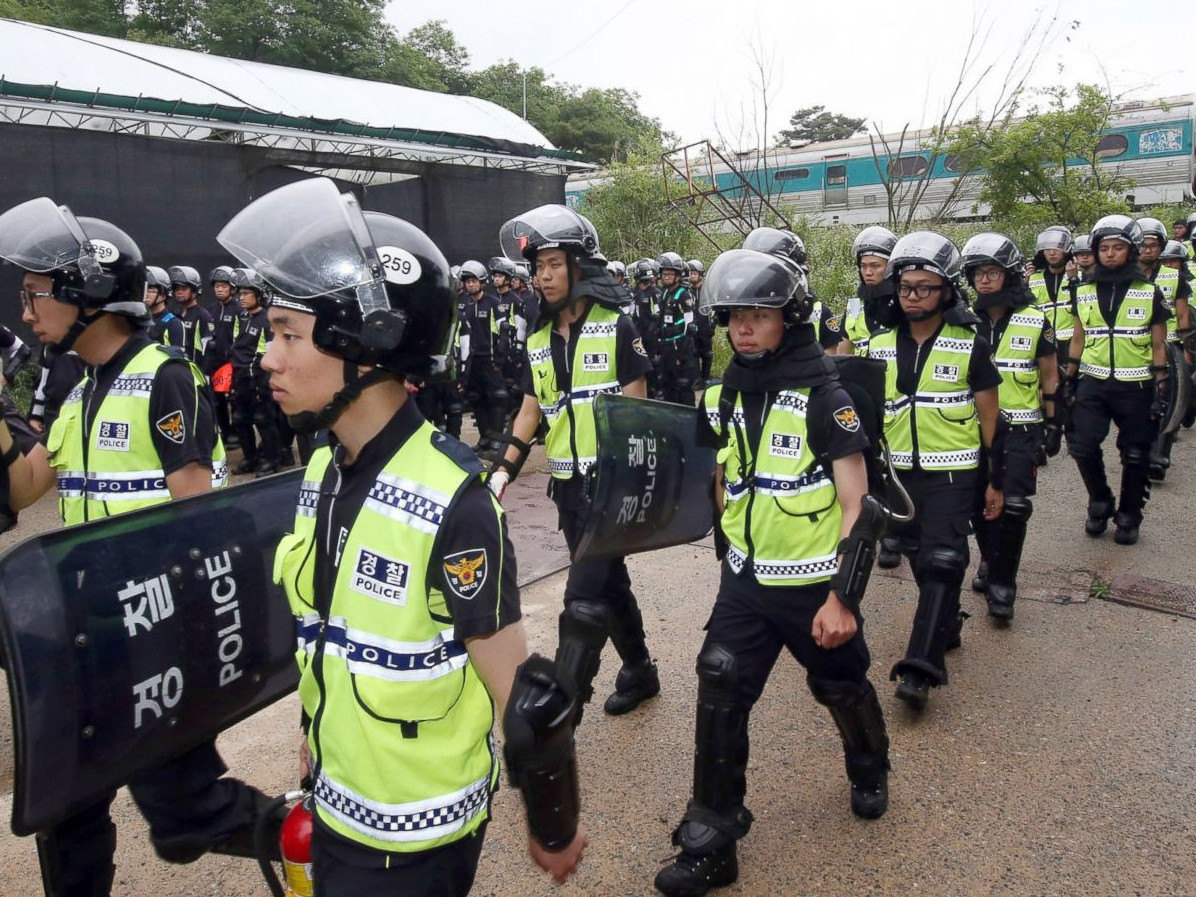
(980, 580)
(1009, 537)
(707, 860)
(855, 709)
(1100, 496)
(914, 690)
(940, 574)
(889, 556)
(637, 680)
(633, 686)
(1135, 491)
(1099, 512)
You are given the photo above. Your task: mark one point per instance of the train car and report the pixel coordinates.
(843, 181)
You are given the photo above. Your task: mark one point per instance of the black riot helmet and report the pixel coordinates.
(474, 269)
(670, 261)
(185, 275)
(379, 288)
(992, 249)
(747, 278)
(559, 227)
(221, 274)
(927, 251)
(248, 279)
(1174, 250)
(1082, 244)
(617, 269)
(695, 265)
(93, 263)
(1153, 227)
(875, 240)
(157, 277)
(502, 265)
(645, 269)
(781, 243)
(1117, 227)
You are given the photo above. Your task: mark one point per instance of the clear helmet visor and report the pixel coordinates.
(41, 236)
(543, 228)
(745, 277)
(309, 240)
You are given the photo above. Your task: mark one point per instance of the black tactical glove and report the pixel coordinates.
(1052, 439)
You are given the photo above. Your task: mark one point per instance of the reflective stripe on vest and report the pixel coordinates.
(781, 508)
(572, 443)
(1167, 280)
(1014, 357)
(1123, 351)
(400, 720)
(1058, 312)
(112, 474)
(936, 429)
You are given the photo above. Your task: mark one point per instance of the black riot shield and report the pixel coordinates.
(650, 485)
(133, 639)
(1179, 389)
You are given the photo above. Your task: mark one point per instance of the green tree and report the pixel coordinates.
(106, 17)
(632, 213)
(1042, 165)
(429, 57)
(814, 124)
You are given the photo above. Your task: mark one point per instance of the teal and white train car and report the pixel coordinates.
(840, 182)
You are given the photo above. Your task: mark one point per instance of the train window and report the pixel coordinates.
(907, 166)
(836, 175)
(1111, 146)
(792, 174)
(953, 162)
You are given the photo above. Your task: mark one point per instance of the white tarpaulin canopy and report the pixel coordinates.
(152, 80)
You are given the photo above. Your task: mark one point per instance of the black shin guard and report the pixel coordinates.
(1135, 486)
(855, 708)
(583, 629)
(716, 816)
(940, 577)
(1010, 536)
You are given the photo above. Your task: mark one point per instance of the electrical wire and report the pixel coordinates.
(593, 34)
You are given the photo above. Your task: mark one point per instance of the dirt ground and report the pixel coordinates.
(1060, 760)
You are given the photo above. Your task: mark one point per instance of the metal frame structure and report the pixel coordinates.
(708, 207)
(363, 159)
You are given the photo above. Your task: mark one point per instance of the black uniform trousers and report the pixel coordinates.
(678, 371)
(253, 406)
(343, 869)
(755, 622)
(943, 504)
(188, 807)
(604, 581)
(1098, 404)
(486, 392)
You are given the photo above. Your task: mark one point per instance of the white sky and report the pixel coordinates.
(894, 62)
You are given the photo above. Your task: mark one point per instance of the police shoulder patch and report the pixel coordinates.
(465, 572)
(846, 418)
(172, 426)
(638, 345)
(834, 323)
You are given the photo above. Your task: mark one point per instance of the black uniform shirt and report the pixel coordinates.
(631, 361)
(174, 392)
(168, 329)
(911, 359)
(197, 326)
(473, 527)
(247, 346)
(476, 322)
(224, 325)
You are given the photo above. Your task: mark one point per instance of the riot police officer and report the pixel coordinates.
(646, 315)
(529, 302)
(1024, 351)
(1084, 258)
(874, 306)
(583, 347)
(783, 579)
(941, 410)
(786, 244)
(224, 331)
(703, 324)
(164, 429)
(402, 761)
(1052, 251)
(197, 321)
(677, 370)
(618, 271)
(1118, 354)
(253, 405)
(485, 387)
(165, 326)
(509, 329)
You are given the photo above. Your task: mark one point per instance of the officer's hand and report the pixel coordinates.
(1158, 406)
(1053, 440)
(1071, 268)
(498, 482)
(994, 503)
(36, 425)
(562, 863)
(304, 757)
(1030, 269)
(834, 624)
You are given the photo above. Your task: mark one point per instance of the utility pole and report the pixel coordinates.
(525, 94)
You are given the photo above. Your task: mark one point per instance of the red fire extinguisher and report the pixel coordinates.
(294, 845)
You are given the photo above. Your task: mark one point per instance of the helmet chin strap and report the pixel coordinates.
(65, 344)
(355, 385)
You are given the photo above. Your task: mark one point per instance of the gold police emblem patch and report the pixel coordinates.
(465, 572)
(172, 427)
(846, 418)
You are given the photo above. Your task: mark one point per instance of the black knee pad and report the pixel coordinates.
(1018, 508)
(1136, 457)
(718, 672)
(1083, 453)
(942, 564)
(837, 692)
